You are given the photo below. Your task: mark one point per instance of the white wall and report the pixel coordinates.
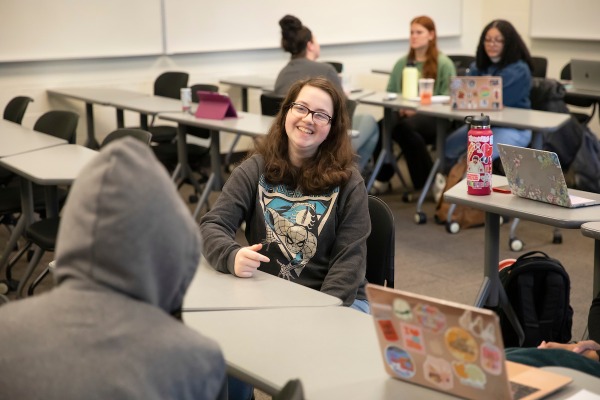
(33, 78)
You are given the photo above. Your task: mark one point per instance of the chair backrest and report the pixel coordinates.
(15, 109)
(565, 75)
(291, 391)
(270, 104)
(540, 66)
(61, 124)
(204, 87)
(461, 63)
(381, 244)
(169, 84)
(350, 107)
(140, 134)
(339, 67)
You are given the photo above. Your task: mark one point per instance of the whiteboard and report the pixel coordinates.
(565, 19)
(61, 29)
(225, 25)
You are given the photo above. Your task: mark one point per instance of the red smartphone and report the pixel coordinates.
(501, 189)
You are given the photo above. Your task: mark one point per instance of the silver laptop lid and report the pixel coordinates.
(585, 74)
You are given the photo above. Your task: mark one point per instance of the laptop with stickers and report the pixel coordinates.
(476, 93)
(537, 175)
(452, 348)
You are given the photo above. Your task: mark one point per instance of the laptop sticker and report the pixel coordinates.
(402, 310)
(469, 374)
(439, 372)
(461, 344)
(430, 317)
(389, 332)
(412, 337)
(400, 362)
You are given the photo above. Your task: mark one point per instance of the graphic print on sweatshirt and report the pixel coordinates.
(293, 223)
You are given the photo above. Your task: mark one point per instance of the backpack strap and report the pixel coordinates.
(551, 305)
(531, 325)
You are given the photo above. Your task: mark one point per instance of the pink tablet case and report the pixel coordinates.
(214, 106)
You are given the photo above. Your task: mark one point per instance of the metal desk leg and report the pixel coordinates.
(183, 171)
(215, 180)
(244, 99)
(120, 118)
(91, 141)
(386, 155)
(438, 165)
(596, 287)
(491, 293)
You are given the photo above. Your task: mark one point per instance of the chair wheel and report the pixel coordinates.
(4, 289)
(453, 227)
(420, 218)
(557, 238)
(193, 199)
(516, 244)
(407, 197)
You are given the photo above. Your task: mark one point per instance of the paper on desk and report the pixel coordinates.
(434, 99)
(584, 395)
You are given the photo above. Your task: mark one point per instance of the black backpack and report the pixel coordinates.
(538, 288)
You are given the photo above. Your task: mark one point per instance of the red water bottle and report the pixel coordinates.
(479, 155)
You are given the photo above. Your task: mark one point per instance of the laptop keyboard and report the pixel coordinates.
(519, 391)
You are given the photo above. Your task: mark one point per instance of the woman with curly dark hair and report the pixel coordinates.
(500, 52)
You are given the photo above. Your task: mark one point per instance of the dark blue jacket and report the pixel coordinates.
(516, 82)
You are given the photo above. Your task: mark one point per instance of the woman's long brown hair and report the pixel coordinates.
(331, 165)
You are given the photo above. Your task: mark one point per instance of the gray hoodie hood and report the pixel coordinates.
(125, 228)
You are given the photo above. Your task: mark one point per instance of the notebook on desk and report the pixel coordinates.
(537, 175)
(585, 74)
(476, 93)
(213, 105)
(452, 348)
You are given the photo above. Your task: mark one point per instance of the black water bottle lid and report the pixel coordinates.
(478, 120)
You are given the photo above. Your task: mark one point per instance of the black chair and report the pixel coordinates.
(270, 104)
(139, 134)
(291, 391)
(43, 233)
(540, 66)
(461, 63)
(62, 124)
(339, 67)
(584, 118)
(14, 112)
(168, 84)
(381, 245)
(15, 109)
(167, 152)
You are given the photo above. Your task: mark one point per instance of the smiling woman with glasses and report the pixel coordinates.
(501, 52)
(319, 118)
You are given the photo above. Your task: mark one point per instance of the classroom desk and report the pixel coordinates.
(519, 118)
(17, 139)
(384, 71)
(145, 105)
(267, 84)
(491, 292)
(245, 82)
(246, 124)
(211, 290)
(49, 167)
(386, 155)
(332, 350)
(592, 230)
(101, 96)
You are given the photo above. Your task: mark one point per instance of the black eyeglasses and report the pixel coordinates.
(319, 118)
(498, 41)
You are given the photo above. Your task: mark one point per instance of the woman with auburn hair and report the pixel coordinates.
(414, 132)
(302, 199)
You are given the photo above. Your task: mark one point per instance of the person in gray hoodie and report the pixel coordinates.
(126, 252)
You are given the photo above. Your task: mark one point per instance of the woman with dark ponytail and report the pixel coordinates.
(299, 41)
